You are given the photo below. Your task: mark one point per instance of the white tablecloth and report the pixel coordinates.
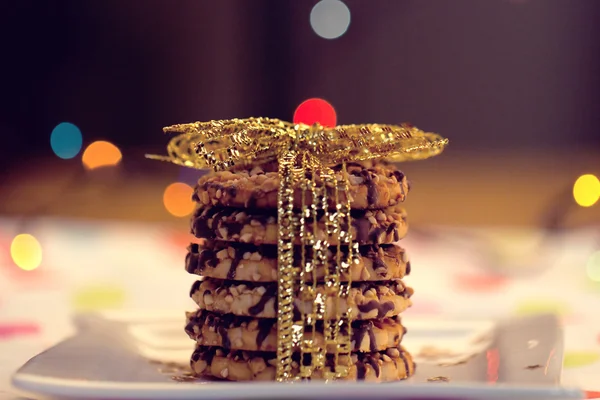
(92, 266)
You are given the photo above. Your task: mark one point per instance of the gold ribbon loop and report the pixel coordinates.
(222, 144)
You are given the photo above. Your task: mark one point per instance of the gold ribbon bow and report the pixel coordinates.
(304, 155)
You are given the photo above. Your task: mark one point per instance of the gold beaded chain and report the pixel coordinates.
(305, 155)
(286, 275)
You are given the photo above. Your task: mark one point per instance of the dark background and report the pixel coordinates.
(511, 81)
(486, 73)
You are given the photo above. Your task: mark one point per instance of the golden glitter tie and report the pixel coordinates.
(304, 155)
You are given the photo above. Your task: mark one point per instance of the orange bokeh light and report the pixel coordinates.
(315, 110)
(101, 154)
(178, 199)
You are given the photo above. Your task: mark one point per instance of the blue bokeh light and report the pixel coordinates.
(66, 140)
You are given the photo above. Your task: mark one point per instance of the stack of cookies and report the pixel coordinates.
(235, 327)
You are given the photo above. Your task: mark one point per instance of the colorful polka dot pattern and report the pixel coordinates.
(580, 359)
(10, 330)
(540, 306)
(98, 297)
(480, 282)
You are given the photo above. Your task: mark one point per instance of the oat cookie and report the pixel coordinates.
(253, 334)
(371, 186)
(247, 262)
(235, 365)
(260, 227)
(367, 299)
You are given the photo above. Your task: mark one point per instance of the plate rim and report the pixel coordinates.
(55, 387)
(63, 387)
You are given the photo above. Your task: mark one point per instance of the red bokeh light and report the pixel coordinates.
(315, 110)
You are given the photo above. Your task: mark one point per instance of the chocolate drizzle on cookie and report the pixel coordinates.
(405, 361)
(195, 287)
(224, 336)
(234, 264)
(392, 228)
(382, 308)
(379, 264)
(360, 330)
(196, 356)
(264, 328)
(374, 360)
(364, 232)
(222, 223)
(207, 257)
(196, 260)
(260, 306)
(207, 354)
(400, 177)
(367, 175)
(374, 364)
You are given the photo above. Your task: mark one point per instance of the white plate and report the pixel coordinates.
(109, 359)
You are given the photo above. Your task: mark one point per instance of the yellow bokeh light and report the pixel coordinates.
(101, 154)
(586, 190)
(593, 267)
(178, 199)
(26, 252)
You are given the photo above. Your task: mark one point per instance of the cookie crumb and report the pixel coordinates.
(438, 379)
(452, 364)
(178, 372)
(535, 366)
(186, 377)
(458, 362)
(432, 352)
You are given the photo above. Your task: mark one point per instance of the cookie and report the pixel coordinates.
(391, 365)
(367, 299)
(247, 262)
(369, 187)
(252, 334)
(260, 226)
